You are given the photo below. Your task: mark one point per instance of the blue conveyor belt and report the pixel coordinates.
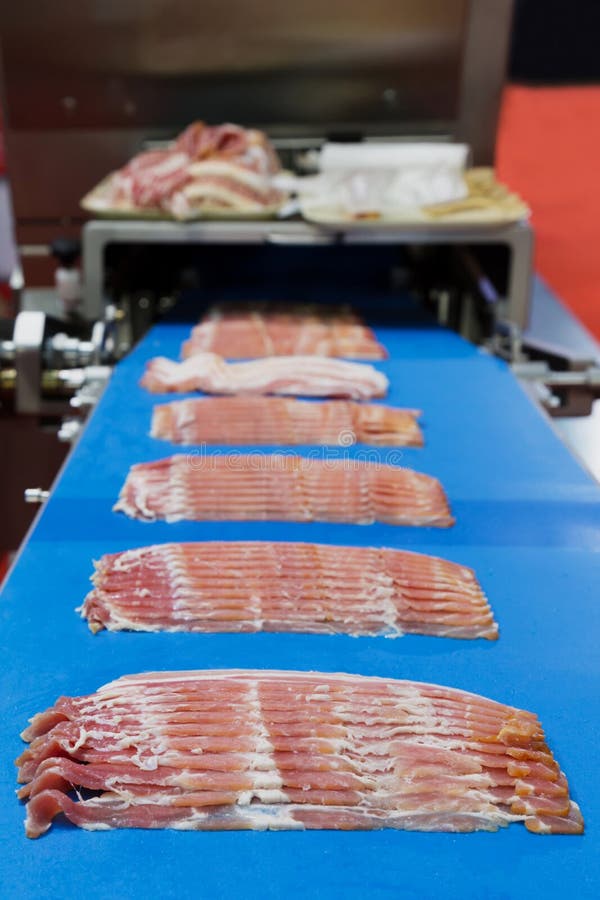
(528, 520)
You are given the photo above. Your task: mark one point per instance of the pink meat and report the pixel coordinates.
(244, 331)
(282, 488)
(150, 177)
(196, 141)
(155, 179)
(200, 141)
(260, 586)
(278, 420)
(307, 376)
(258, 749)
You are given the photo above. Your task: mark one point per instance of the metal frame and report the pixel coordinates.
(98, 235)
(485, 58)
(28, 340)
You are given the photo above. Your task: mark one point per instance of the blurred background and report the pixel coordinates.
(546, 149)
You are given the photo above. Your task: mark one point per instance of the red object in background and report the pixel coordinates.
(548, 152)
(6, 303)
(4, 565)
(2, 157)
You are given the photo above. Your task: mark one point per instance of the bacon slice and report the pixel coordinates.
(311, 588)
(244, 331)
(236, 749)
(307, 376)
(278, 420)
(282, 488)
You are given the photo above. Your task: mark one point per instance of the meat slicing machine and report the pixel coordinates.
(466, 324)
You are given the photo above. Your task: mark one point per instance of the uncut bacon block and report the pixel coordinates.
(245, 331)
(278, 487)
(304, 376)
(235, 749)
(264, 586)
(279, 420)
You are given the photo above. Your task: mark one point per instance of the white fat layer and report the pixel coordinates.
(223, 168)
(254, 817)
(265, 818)
(255, 607)
(139, 486)
(130, 559)
(83, 737)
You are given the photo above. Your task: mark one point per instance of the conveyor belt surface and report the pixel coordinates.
(528, 520)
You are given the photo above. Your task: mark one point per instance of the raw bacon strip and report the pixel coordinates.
(307, 376)
(262, 586)
(237, 331)
(281, 488)
(278, 420)
(296, 750)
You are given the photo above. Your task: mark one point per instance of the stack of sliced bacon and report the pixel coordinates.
(308, 376)
(263, 586)
(280, 487)
(278, 420)
(274, 750)
(207, 168)
(216, 185)
(249, 331)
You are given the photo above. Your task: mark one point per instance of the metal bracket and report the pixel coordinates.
(28, 338)
(36, 495)
(69, 430)
(91, 382)
(46, 363)
(507, 342)
(564, 393)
